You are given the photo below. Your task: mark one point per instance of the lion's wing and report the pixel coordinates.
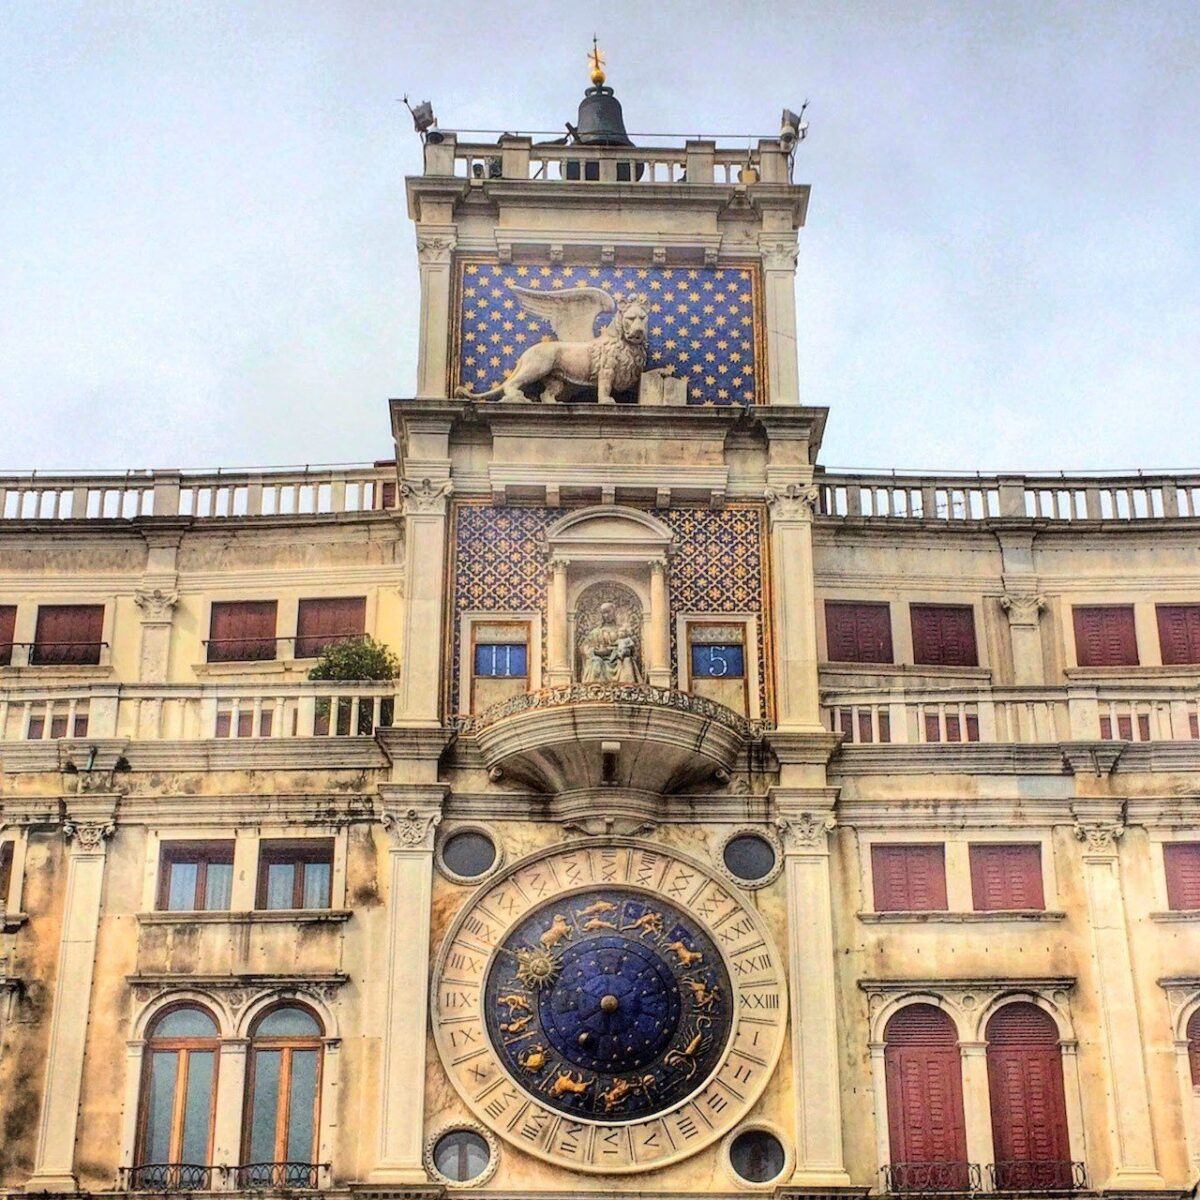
(572, 312)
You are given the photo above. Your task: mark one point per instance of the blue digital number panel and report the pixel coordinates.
(501, 661)
(718, 662)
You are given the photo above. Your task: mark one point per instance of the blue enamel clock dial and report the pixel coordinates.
(609, 1004)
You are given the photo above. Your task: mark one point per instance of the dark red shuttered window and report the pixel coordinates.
(8, 625)
(1182, 862)
(944, 635)
(1105, 636)
(1029, 1109)
(909, 878)
(1193, 1037)
(858, 632)
(68, 634)
(1179, 634)
(1007, 876)
(325, 622)
(242, 631)
(926, 1130)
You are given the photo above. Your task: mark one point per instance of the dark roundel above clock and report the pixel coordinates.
(609, 1003)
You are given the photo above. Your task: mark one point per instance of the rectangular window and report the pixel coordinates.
(8, 625)
(296, 874)
(196, 876)
(501, 660)
(6, 867)
(1006, 876)
(325, 622)
(1182, 861)
(242, 631)
(944, 635)
(1178, 634)
(858, 632)
(718, 661)
(68, 634)
(1105, 636)
(909, 878)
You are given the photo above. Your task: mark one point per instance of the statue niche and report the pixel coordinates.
(608, 635)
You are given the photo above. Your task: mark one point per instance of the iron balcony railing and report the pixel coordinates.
(1032, 1175)
(277, 1175)
(920, 1177)
(168, 1177)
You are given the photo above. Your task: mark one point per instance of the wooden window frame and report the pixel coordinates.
(184, 1047)
(977, 852)
(879, 849)
(917, 608)
(1173, 886)
(210, 641)
(1078, 615)
(203, 853)
(298, 852)
(300, 648)
(283, 1112)
(833, 604)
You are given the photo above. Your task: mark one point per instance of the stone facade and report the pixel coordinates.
(526, 784)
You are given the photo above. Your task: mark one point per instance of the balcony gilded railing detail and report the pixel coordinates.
(1033, 1175)
(923, 1177)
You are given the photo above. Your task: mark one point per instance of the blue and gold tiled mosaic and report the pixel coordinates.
(498, 566)
(705, 322)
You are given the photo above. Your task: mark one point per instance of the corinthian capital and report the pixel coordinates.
(1022, 609)
(434, 249)
(411, 828)
(795, 502)
(156, 603)
(805, 831)
(425, 496)
(89, 836)
(1099, 837)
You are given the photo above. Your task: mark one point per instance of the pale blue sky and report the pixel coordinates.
(205, 258)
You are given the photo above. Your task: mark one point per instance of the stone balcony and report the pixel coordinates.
(632, 736)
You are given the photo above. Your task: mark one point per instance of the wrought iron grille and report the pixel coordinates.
(279, 1175)
(1032, 1175)
(931, 1177)
(168, 1177)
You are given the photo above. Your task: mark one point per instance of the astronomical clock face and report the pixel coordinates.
(610, 1007)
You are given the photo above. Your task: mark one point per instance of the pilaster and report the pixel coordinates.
(435, 250)
(779, 256)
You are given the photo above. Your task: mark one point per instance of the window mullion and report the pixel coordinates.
(179, 1108)
(283, 1113)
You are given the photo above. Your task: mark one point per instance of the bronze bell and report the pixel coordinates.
(601, 122)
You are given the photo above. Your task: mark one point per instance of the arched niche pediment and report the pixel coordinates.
(610, 533)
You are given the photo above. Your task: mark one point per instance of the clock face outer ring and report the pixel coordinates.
(604, 1142)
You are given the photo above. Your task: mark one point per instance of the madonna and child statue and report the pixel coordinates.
(609, 639)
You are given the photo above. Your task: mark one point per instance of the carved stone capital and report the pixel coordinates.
(156, 604)
(802, 832)
(1099, 837)
(779, 255)
(89, 836)
(425, 497)
(795, 502)
(557, 563)
(434, 249)
(1022, 609)
(412, 828)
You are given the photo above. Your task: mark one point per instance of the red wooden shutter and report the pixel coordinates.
(68, 633)
(924, 1098)
(1006, 876)
(1193, 1037)
(1105, 636)
(1179, 633)
(8, 625)
(6, 865)
(1182, 862)
(321, 623)
(909, 878)
(944, 635)
(858, 632)
(242, 631)
(1029, 1110)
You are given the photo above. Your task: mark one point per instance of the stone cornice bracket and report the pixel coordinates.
(434, 248)
(156, 604)
(805, 832)
(412, 828)
(1094, 758)
(1022, 609)
(794, 502)
(425, 498)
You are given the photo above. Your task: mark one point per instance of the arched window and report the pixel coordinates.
(178, 1092)
(926, 1129)
(1029, 1110)
(283, 1086)
(1193, 1037)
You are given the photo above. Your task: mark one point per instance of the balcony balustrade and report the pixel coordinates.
(1040, 1176)
(167, 1178)
(912, 1178)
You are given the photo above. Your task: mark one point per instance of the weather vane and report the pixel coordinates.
(597, 61)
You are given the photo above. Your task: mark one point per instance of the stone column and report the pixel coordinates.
(779, 256)
(157, 605)
(558, 658)
(435, 252)
(411, 819)
(977, 1107)
(1024, 612)
(1099, 826)
(231, 1088)
(819, 1159)
(425, 505)
(87, 828)
(793, 606)
(658, 660)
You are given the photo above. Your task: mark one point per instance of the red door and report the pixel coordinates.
(1029, 1110)
(926, 1129)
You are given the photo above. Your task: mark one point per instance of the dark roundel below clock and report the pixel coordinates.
(608, 1004)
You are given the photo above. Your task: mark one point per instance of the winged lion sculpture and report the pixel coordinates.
(611, 361)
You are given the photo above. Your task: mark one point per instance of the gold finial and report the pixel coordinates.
(597, 61)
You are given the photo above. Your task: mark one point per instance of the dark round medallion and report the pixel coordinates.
(609, 1004)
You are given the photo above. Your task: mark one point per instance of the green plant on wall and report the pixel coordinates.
(357, 660)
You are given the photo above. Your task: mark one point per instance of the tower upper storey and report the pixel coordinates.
(702, 237)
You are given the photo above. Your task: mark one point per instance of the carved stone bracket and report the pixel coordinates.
(1091, 758)
(156, 604)
(412, 828)
(425, 497)
(609, 826)
(805, 831)
(795, 502)
(1022, 609)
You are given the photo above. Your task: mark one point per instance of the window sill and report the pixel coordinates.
(60, 671)
(961, 918)
(258, 916)
(252, 666)
(920, 670)
(1176, 914)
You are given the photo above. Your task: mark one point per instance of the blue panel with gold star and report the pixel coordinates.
(705, 322)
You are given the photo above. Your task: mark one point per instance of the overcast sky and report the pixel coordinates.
(205, 258)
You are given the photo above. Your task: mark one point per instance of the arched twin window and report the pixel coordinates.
(177, 1112)
(926, 1126)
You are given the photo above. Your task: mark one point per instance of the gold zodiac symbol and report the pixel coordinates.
(517, 1026)
(565, 1083)
(615, 1094)
(533, 1059)
(590, 926)
(513, 1001)
(703, 996)
(686, 1058)
(648, 922)
(600, 906)
(686, 957)
(558, 930)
